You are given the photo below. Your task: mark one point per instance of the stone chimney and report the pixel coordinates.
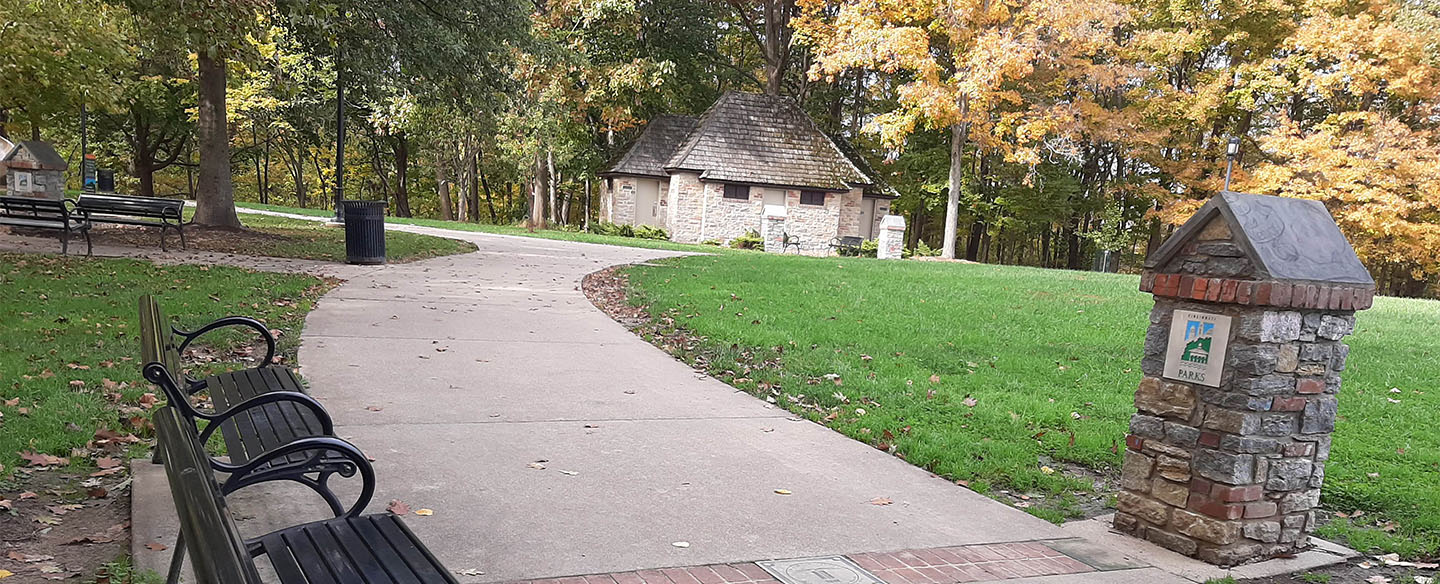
(1226, 455)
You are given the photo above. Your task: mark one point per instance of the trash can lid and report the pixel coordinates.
(363, 204)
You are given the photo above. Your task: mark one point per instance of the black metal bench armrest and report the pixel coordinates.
(76, 211)
(327, 426)
(242, 475)
(229, 321)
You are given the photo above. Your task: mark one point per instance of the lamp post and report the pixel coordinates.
(1232, 149)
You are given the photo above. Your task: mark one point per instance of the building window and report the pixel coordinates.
(741, 192)
(812, 197)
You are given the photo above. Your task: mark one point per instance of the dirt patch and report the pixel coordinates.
(1354, 573)
(59, 527)
(197, 237)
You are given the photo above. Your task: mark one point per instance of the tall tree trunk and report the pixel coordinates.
(215, 201)
(537, 194)
(442, 184)
(402, 175)
(266, 178)
(474, 190)
(958, 133)
(489, 200)
(1072, 236)
(1045, 247)
(550, 181)
(972, 243)
(259, 174)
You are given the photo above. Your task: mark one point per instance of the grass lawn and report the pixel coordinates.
(69, 339)
(505, 230)
(1015, 378)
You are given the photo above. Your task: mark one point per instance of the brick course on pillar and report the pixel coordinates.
(890, 242)
(1230, 468)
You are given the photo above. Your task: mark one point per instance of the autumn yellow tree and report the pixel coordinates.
(1356, 127)
(1001, 74)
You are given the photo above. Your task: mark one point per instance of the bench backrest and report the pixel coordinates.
(851, 240)
(216, 549)
(41, 209)
(134, 206)
(157, 340)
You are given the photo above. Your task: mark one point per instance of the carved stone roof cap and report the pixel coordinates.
(1288, 239)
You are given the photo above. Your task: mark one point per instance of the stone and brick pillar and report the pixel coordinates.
(890, 242)
(772, 228)
(1225, 457)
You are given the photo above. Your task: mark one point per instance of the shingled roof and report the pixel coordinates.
(764, 140)
(46, 158)
(1288, 239)
(655, 146)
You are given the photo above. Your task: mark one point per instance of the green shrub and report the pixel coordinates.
(869, 248)
(648, 232)
(608, 228)
(714, 242)
(751, 240)
(925, 251)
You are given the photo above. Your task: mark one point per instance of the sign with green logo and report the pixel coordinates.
(1197, 347)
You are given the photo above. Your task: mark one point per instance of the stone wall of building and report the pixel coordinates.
(726, 219)
(814, 225)
(622, 200)
(849, 204)
(1233, 472)
(686, 203)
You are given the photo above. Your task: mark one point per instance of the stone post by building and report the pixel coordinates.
(772, 228)
(1226, 457)
(890, 243)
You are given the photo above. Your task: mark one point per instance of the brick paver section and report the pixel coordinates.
(952, 565)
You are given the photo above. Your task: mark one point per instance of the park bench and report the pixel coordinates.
(60, 215)
(144, 211)
(847, 245)
(788, 241)
(257, 411)
(350, 548)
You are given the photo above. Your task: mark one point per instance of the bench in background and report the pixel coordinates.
(145, 211)
(47, 214)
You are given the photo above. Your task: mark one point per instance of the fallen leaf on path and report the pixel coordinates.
(681, 544)
(424, 512)
(5, 505)
(106, 462)
(28, 559)
(6, 574)
(569, 472)
(398, 507)
(782, 491)
(1378, 579)
(537, 465)
(97, 492)
(881, 501)
(27, 495)
(374, 408)
(470, 572)
(156, 547)
(107, 472)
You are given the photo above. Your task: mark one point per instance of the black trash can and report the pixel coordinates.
(364, 232)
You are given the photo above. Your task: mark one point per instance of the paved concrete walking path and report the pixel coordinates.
(549, 442)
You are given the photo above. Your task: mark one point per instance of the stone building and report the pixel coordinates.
(36, 170)
(711, 177)
(1226, 455)
(5, 147)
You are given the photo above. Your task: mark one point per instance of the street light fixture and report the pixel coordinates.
(1232, 149)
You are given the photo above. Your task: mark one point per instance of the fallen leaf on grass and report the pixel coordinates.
(881, 501)
(107, 472)
(424, 512)
(398, 507)
(934, 379)
(28, 495)
(5, 505)
(106, 462)
(40, 459)
(1378, 579)
(970, 401)
(97, 492)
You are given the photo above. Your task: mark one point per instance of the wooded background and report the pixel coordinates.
(1043, 131)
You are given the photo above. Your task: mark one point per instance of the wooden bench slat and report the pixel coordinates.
(311, 560)
(287, 567)
(388, 554)
(406, 545)
(359, 550)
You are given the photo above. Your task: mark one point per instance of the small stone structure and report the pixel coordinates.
(773, 228)
(890, 244)
(34, 169)
(1226, 457)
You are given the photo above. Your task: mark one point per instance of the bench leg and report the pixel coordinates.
(65, 241)
(162, 237)
(89, 247)
(181, 230)
(177, 560)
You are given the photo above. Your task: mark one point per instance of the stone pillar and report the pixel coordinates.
(772, 228)
(890, 243)
(1226, 456)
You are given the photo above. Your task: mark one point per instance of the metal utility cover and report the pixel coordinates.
(822, 570)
